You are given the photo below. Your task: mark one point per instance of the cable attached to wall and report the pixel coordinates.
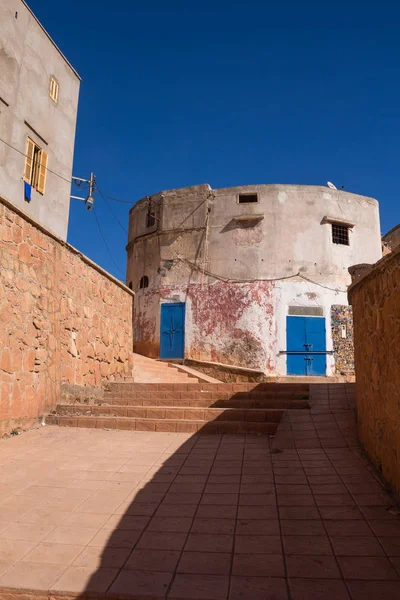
(228, 280)
(26, 156)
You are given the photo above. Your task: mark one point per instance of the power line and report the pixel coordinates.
(105, 243)
(228, 280)
(71, 182)
(322, 285)
(111, 211)
(26, 156)
(117, 200)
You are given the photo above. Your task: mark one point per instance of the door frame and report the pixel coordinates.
(306, 352)
(182, 304)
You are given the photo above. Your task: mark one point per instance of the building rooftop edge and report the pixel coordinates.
(51, 39)
(256, 185)
(395, 228)
(10, 206)
(373, 270)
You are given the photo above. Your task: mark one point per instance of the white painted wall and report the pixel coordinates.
(300, 293)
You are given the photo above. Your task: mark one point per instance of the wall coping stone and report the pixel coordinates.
(372, 271)
(65, 244)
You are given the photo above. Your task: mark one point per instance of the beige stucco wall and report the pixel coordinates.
(28, 58)
(375, 298)
(291, 236)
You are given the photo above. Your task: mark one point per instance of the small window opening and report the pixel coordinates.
(340, 234)
(247, 198)
(53, 90)
(144, 282)
(130, 285)
(150, 220)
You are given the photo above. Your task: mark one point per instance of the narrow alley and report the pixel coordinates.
(123, 514)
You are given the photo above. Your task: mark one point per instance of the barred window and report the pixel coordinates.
(340, 234)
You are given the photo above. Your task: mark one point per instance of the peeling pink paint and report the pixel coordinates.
(222, 304)
(226, 322)
(229, 321)
(147, 326)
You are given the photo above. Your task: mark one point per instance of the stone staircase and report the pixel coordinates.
(148, 370)
(185, 407)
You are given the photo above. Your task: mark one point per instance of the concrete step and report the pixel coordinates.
(173, 413)
(272, 388)
(169, 379)
(205, 400)
(161, 378)
(166, 425)
(161, 369)
(189, 407)
(152, 371)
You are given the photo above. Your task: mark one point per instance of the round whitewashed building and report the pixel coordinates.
(253, 276)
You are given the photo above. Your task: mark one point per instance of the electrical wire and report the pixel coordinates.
(104, 240)
(117, 200)
(71, 182)
(322, 285)
(26, 156)
(228, 280)
(111, 210)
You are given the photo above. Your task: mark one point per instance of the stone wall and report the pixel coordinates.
(391, 239)
(342, 338)
(376, 309)
(62, 320)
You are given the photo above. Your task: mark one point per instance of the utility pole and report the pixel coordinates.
(89, 200)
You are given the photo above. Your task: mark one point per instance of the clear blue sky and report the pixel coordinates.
(183, 92)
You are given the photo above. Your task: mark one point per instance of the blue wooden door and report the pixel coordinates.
(316, 345)
(306, 346)
(172, 334)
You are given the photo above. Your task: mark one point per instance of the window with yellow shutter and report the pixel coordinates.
(42, 172)
(35, 171)
(53, 91)
(29, 158)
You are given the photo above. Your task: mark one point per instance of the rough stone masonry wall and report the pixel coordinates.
(62, 320)
(342, 316)
(375, 298)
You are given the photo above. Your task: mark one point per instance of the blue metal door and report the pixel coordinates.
(306, 346)
(172, 334)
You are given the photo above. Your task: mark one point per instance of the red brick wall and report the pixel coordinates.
(62, 320)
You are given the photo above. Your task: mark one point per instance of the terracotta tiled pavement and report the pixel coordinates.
(205, 517)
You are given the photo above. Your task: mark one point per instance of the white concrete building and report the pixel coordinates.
(253, 276)
(38, 106)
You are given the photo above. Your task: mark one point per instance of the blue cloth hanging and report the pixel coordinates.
(27, 191)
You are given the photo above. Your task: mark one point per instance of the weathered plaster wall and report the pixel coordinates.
(231, 324)
(146, 323)
(376, 311)
(297, 293)
(62, 320)
(28, 58)
(213, 253)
